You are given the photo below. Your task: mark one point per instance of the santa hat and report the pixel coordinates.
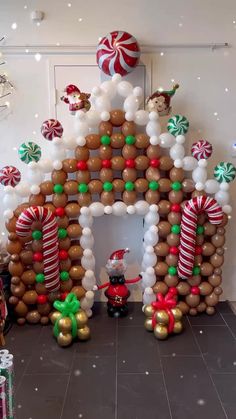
(119, 254)
(71, 88)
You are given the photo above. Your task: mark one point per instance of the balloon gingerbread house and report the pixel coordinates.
(118, 162)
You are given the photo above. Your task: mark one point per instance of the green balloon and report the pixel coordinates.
(175, 229)
(196, 270)
(153, 185)
(105, 140)
(62, 233)
(130, 139)
(107, 186)
(172, 270)
(82, 188)
(58, 188)
(200, 229)
(40, 278)
(176, 186)
(37, 234)
(129, 186)
(64, 276)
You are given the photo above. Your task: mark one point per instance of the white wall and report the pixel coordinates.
(152, 22)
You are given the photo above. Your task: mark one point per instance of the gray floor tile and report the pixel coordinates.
(141, 396)
(231, 322)
(218, 347)
(205, 319)
(20, 365)
(137, 351)
(183, 344)
(224, 307)
(226, 387)
(41, 396)
(135, 316)
(190, 389)
(23, 340)
(91, 390)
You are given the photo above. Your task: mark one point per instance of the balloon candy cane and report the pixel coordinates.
(192, 209)
(50, 241)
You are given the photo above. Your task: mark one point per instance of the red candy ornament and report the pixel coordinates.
(38, 257)
(42, 299)
(155, 163)
(63, 255)
(60, 212)
(82, 165)
(51, 128)
(175, 208)
(63, 295)
(195, 290)
(130, 163)
(174, 250)
(106, 164)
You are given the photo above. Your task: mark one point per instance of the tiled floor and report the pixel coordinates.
(123, 372)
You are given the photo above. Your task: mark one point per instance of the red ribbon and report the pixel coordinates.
(165, 303)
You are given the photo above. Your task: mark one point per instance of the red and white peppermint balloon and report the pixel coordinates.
(50, 241)
(190, 214)
(118, 52)
(201, 150)
(51, 128)
(10, 175)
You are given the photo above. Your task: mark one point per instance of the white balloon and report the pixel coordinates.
(105, 116)
(93, 118)
(22, 189)
(153, 128)
(131, 209)
(178, 163)
(57, 164)
(10, 201)
(119, 208)
(153, 116)
(199, 175)
(109, 88)
(141, 207)
(124, 88)
(151, 236)
(152, 217)
(57, 152)
(85, 220)
(222, 197)
(227, 209)
(86, 239)
(81, 127)
(97, 209)
(88, 260)
(148, 296)
(189, 163)
(129, 116)
(34, 175)
(138, 91)
(149, 257)
(88, 280)
(102, 103)
(131, 104)
(177, 152)
(211, 186)
(224, 186)
(180, 139)
(45, 165)
(166, 140)
(8, 214)
(69, 143)
(87, 301)
(116, 78)
(35, 189)
(154, 140)
(80, 141)
(108, 209)
(148, 278)
(199, 186)
(141, 117)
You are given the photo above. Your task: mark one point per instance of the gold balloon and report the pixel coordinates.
(64, 339)
(33, 316)
(65, 325)
(162, 317)
(178, 327)
(148, 324)
(177, 313)
(148, 310)
(54, 316)
(81, 318)
(160, 331)
(83, 333)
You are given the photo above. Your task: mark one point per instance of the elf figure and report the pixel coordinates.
(160, 100)
(117, 291)
(77, 100)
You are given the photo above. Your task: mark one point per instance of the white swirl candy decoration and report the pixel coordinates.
(51, 128)
(118, 52)
(201, 150)
(10, 175)
(50, 241)
(191, 211)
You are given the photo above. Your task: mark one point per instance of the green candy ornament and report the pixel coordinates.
(37, 234)
(62, 233)
(29, 152)
(200, 229)
(64, 276)
(196, 270)
(153, 185)
(83, 188)
(178, 125)
(67, 308)
(225, 172)
(172, 270)
(176, 186)
(39, 278)
(58, 188)
(105, 140)
(130, 139)
(175, 229)
(107, 186)
(129, 186)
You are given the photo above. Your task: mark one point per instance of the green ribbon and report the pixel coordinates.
(67, 308)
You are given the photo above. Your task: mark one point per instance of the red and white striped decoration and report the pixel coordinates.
(118, 52)
(50, 241)
(192, 209)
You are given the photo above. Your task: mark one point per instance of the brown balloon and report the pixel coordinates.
(206, 269)
(21, 309)
(37, 200)
(117, 117)
(225, 221)
(212, 299)
(142, 163)
(201, 307)
(188, 185)
(63, 222)
(129, 152)
(84, 199)
(161, 249)
(129, 175)
(209, 229)
(194, 280)
(153, 152)
(205, 288)
(117, 163)
(11, 224)
(13, 300)
(161, 287)
(82, 153)
(46, 188)
(50, 207)
(41, 289)
(208, 249)
(117, 140)
(166, 163)
(218, 290)
(128, 128)
(218, 240)
(216, 260)
(20, 209)
(152, 197)
(74, 230)
(105, 128)
(78, 291)
(171, 280)
(218, 271)
(199, 239)
(153, 174)
(142, 141)
(210, 311)
(38, 267)
(65, 265)
(16, 268)
(164, 185)
(13, 246)
(26, 257)
(59, 176)
(183, 307)
(71, 187)
(69, 165)
(161, 268)
(141, 185)
(106, 175)
(64, 244)
(72, 210)
(33, 317)
(220, 251)
(105, 152)
(59, 200)
(107, 198)
(176, 175)
(198, 193)
(192, 300)
(183, 288)
(93, 141)
(174, 218)
(15, 280)
(30, 297)
(95, 186)
(67, 285)
(175, 197)
(28, 277)
(220, 231)
(75, 252)
(94, 164)
(44, 320)
(172, 260)
(193, 311)
(76, 272)
(173, 239)
(18, 290)
(164, 207)
(164, 228)
(129, 197)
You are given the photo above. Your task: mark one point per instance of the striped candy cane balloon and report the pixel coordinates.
(50, 241)
(192, 209)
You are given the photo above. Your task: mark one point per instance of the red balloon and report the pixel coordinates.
(63, 255)
(82, 165)
(175, 208)
(63, 295)
(42, 299)
(174, 250)
(198, 250)
(60, 212)
(154, 162)
(195, 290)
(38, 257)
(130, 163)
(173, 290)
(106, 164)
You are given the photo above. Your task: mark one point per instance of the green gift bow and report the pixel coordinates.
(67, 308)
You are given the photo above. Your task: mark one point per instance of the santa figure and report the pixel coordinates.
(160, 100)
(77, 100)
(117, 291)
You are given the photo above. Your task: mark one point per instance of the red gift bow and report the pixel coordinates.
(165, 303)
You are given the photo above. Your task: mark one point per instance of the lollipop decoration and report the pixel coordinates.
(191, 211)
(118, 52)
(29, 152)
(178, 125)
(201, 150)
(225, 172)
(50, 241)
(51, 128)
(10, 175)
